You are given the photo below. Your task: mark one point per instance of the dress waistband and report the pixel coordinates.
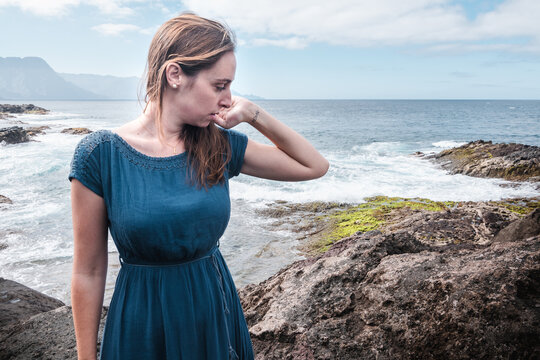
(207, 255)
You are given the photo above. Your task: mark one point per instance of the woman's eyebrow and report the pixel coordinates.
(224, 80)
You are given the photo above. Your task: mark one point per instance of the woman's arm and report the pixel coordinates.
(292, 158)
(89, 266)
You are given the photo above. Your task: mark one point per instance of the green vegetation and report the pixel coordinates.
(369, 216)
(519, 206)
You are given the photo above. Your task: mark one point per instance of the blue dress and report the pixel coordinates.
(174, 296)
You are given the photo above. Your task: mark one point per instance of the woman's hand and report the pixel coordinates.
(292, 158)
(241, 110)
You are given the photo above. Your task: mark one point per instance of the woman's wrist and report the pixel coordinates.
(253, 113)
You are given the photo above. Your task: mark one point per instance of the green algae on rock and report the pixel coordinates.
(436, 223)
(521, 206)
(369, 216)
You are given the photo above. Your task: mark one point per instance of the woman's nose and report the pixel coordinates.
(226, 99)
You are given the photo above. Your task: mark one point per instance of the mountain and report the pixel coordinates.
(32, 78)
(109, 87)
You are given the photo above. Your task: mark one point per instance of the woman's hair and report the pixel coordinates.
(194, 43)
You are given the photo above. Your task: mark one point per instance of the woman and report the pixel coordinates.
(160, 184)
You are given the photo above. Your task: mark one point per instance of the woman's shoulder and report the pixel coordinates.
(92, 141)
(97, 137)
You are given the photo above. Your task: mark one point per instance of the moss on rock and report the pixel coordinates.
(368, 216)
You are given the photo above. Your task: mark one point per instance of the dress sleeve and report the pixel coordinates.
(85, 165)
(238, 142)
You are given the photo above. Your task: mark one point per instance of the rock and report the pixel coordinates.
(388, 296)
(76, 131)
(521, 229)
(22, 109)
(485, 159)
(18, 302)
(49, 335)
(13, 135)
(5, 200)
(36, 130)
(17, 134)
(434, 223)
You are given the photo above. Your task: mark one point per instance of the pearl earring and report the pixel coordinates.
(174, 86)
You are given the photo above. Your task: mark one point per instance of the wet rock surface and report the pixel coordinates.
(17, 134)
(18, 302)
(13, 135)
(76, 131)
(5, 200)
(49, 335)
(22, 109)
(485, 159)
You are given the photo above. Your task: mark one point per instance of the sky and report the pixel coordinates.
(305, 49)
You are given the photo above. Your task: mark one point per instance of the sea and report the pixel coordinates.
(369, 144)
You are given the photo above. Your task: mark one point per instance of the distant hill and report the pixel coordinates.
(31, 78)
(109, 87)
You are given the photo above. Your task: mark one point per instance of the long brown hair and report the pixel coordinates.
(194, 43)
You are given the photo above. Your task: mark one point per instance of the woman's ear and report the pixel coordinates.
(174, 74)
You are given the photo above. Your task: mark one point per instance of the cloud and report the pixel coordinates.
(290, 43)
(55, 8)
(438, 24)
(116, 29)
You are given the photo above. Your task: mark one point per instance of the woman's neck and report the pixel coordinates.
(170, 128)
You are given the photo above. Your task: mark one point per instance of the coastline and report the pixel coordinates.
(370, 267)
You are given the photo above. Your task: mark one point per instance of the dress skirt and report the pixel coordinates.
(184, 311)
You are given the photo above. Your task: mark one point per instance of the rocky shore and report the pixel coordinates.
(21, 109)
(391, 278)
(19, 134)
(485, 159)
(395, 293)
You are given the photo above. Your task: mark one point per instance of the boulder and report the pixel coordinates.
(36, 130)
(17, 134)
(48, 335)
(13, 135)
(390, 296)
(76, 131)
(5, 200)
(520, 229)
(22, 109)
(18, 302)
(484, 159)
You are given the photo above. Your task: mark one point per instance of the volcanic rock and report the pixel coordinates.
(17, 134)
(18, 302)
(521, 229)
(390, 296)
(76, 131)
(49, 335)
(5, 200)
(22, 109)
(36, 130)
(13, 135)
(484, 159)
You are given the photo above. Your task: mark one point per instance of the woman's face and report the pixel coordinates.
(200, 97)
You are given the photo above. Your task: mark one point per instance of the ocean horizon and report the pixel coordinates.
(368, 143)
